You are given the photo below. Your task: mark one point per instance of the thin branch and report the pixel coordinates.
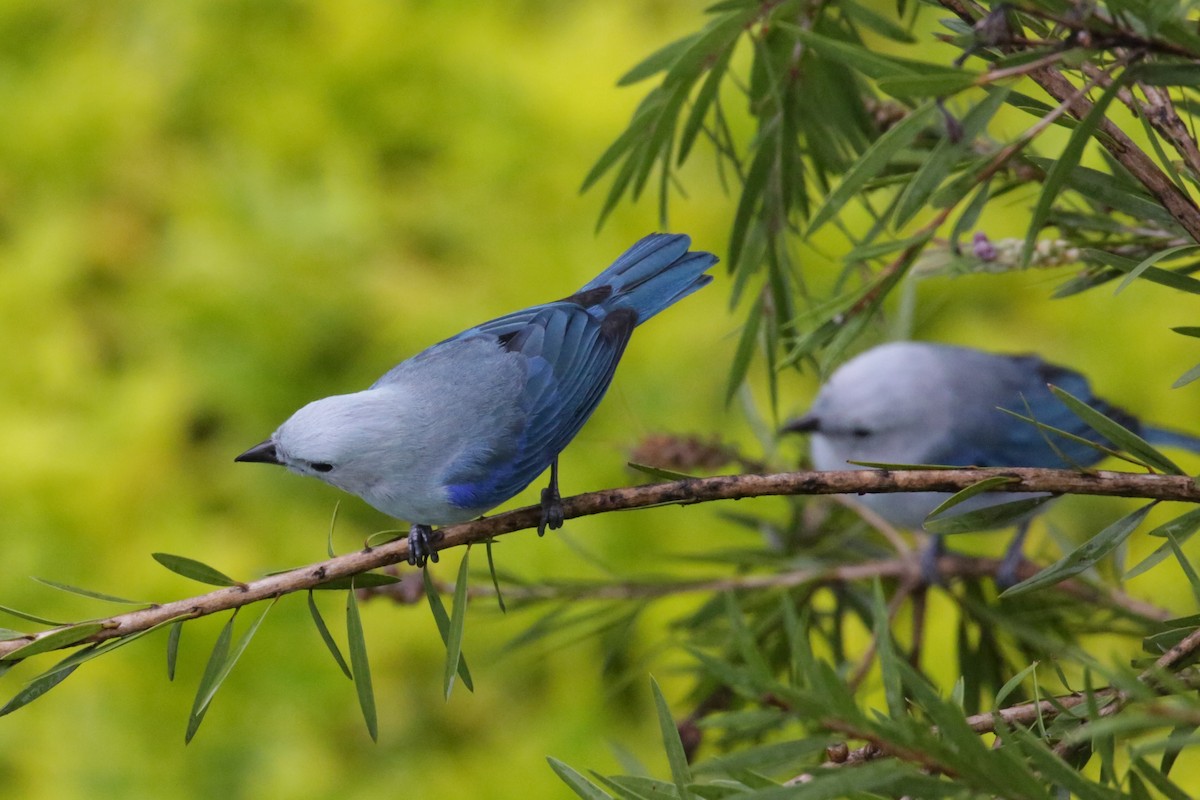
(950, 566)
(683, 492)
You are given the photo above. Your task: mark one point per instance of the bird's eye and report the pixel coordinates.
(321, 466)
(861, 432)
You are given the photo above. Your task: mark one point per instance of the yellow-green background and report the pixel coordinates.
(214, 212)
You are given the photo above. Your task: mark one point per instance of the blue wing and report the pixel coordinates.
(570, 356)
(998, 439)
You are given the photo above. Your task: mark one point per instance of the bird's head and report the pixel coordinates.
(337, 439)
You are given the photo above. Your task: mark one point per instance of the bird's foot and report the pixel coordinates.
(552, 510)
(421, 539)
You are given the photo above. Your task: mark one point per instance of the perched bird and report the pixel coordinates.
(920, 403)
(469, 422)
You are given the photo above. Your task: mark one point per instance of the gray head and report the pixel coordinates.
(887, 404)
(341, 440)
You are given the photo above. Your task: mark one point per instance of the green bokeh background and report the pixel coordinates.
(214, 212)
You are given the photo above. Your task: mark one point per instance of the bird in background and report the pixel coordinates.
(471, 421)
(921, 403)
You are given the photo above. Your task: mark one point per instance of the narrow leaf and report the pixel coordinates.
(877, 156)
(1187, 377)
(63, 637)
(326, 636)
(442, 619)
(211, 683)
(66, 587)
(1060, 170)
(1162, 255)
(579, 784)
(360, 666)
(1180, 529)
(1000, 515)
(454, 633)
(979, 487)
(31, 617)
(495, 577)
(193, 569)
(365, 580)
(210, 678)
(681, 773)
(36, 688)
(1116, 433)
(1086, 555)
(173, 648)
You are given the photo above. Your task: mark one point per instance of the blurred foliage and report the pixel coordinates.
(211, 213)
(903, 142)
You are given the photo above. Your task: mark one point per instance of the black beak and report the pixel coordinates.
(263, 453)
(806, 424)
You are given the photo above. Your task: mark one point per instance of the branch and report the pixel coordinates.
(1110, 700)
(682, 492)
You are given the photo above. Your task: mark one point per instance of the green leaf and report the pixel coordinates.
(945, 155)
(66, 587)
(326, 636)
(579, 784)
(1184, 564)
(873, 161)
(63, 637)
(1180, 529)
(1060, 170)
(1180, 74)
(364, 580)
(220, 664)
(332, 524)
(979, 487)
(939, 84)
(657, 61)
(360, 667)
(681, 773)
(874, 21)
(1162, 255)
(872, 63)
(495, 578)
(1086, 555)
(1166, 787)
(1013, 683)
(442, 619)
(702, 102)
(658, 472)
(745, 351)
(195, 570)
(1118, 434)
(454, 633)
(211, 677)
(173, 647)
(1187, 377)
(36, 688)
(1000, 515)
(31, 617)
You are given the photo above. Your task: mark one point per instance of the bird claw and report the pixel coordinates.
(421, 539)
(552, 510)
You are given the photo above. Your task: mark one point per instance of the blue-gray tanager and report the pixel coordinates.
(471, 421)
(920, 403)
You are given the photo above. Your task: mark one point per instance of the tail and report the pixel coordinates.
(1162, 437)
(651, 275)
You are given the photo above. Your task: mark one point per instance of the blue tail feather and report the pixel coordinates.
(652, 274)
